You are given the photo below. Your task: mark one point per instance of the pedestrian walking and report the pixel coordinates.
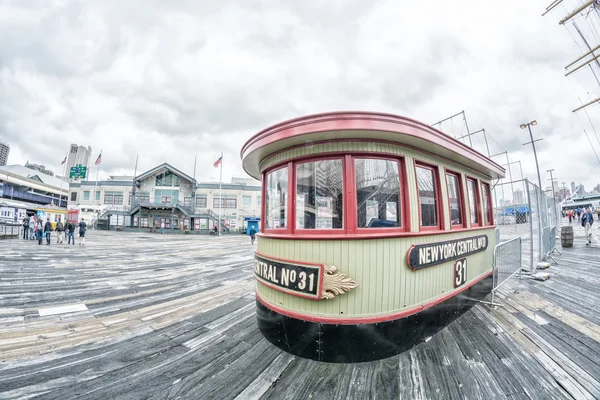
(39, 229)
(59, 231)
(82, 229)
(25, 228)
(570, 215)
(70, 232)
(252, 235)
(48, 230)
(162, 227)
(587, 219)
(32, 225)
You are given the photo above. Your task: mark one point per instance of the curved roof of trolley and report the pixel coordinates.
(361, 125)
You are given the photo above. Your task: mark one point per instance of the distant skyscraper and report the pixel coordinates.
(78, 155)
(572, 187)
(518, 197)
(4, 150)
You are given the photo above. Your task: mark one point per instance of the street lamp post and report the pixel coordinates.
(553, 196)
(538, 197)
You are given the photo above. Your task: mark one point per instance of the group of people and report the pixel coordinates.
(35, 229)
(577, 213)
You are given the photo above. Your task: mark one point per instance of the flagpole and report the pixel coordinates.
(220, 194)
(95, 191)
(61, 182)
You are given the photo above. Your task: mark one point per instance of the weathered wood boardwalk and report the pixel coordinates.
(139, 316)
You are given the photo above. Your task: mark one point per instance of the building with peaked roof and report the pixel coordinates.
(24, 184)
(165, 194)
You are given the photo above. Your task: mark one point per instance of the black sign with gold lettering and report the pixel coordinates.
(425, 255)
(292, 277)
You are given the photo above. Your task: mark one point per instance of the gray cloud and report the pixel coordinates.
(171, 81)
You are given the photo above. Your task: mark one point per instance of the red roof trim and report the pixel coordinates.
(357, 120)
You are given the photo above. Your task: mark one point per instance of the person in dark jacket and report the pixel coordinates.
(70, 231)
(59, 231)
(252, 235)
(47, 230)
(25, 228)
(82, 229)
(587, 219)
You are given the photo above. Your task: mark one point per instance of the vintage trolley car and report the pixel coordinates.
(376, 232)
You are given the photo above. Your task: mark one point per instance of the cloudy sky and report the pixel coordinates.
(174, 80)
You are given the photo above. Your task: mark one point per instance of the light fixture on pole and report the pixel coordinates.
(528, 125)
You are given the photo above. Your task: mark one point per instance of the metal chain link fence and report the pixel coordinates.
(523, 211)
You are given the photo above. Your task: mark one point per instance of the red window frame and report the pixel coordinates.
(477, 201)
(440, 209)
(489, 203)
(353, 206)
(304, 231)
(263, 209)
(461, 198)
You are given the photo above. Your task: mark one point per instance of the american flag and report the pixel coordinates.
(99, 159)
(64, 161)
(218, 162)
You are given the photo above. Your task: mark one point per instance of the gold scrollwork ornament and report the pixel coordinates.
(336, 283)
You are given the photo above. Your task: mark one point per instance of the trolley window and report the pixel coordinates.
(378, 198)
(428, 196)
(276, 199)
(455, 200)
(487, 203)
(319, 195)
(473, 201)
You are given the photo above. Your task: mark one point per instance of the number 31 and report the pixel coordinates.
(460, 272)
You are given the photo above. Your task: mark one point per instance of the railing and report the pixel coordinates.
(507, 262)
(9, 230)
(188, 208)
(216, 218)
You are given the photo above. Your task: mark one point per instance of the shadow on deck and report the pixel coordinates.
(173, 317)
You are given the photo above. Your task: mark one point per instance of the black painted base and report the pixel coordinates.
(364, 342)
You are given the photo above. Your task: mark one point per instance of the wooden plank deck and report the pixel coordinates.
(172, 316)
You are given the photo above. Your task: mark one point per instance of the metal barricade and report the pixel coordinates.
(9, 230)
(523, 210)
(507, 262)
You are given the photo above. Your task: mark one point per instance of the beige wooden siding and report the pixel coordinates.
(386, 282)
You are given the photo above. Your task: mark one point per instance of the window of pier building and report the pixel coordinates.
(226, 201)
(167, 178)
(201, 201)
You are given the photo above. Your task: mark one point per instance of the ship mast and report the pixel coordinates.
(590, 57)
